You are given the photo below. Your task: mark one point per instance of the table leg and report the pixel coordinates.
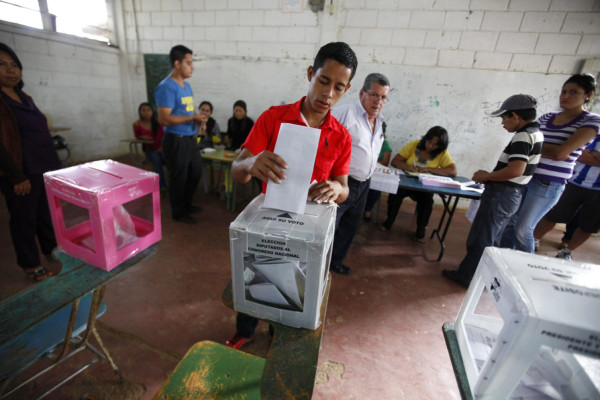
(448, 210)
(69, 333)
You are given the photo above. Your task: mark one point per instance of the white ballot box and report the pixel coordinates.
(529, 328)
(280, 260)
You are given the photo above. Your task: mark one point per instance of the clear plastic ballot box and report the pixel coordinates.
(104, 212)
(529, 328)
(279, 262)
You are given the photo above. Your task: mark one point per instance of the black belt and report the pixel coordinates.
(180, 136)
(505, 183)
(351, 179)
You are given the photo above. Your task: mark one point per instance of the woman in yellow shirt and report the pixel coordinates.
(428, 155)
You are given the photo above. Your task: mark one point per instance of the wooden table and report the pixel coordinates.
(223, 160)
(449, 198)
(25, 310)
(136, 149)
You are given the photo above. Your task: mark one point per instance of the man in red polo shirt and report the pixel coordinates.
(329, 77)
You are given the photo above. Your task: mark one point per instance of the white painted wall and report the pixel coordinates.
(449, 61)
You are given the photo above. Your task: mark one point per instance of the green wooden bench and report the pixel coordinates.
(211, 370)
(53, 313)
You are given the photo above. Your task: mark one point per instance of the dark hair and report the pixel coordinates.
(153, 120)
(375, 78)
(338, 51)
(527, 114)
(240, 103)
(13, 55)
(441, 134)
(207, 103)
(585, 81)
(178, 53)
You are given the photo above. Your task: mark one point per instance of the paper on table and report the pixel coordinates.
(385, 179)
(297, 145)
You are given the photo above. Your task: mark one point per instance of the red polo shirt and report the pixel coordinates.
(335, 143)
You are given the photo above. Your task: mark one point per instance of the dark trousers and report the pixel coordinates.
(499, 202)
(372, 198)
(29, 218)
(185, 169)
(348, 219)
(424, 208)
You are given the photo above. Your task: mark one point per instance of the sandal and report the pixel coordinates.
(38, 274)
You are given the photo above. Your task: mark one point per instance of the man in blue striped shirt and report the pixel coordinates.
(582, 193)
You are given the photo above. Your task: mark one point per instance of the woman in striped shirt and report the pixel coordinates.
(566, 133)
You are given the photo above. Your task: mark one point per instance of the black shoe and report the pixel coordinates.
(186, 219)
(455, 277)
(194, 209)
(340, 269)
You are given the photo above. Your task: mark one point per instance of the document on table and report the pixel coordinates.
(385, 179)
(297, 145)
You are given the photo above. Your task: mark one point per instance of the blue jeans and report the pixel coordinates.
(499, 202)
(538, 198)
(158, 161)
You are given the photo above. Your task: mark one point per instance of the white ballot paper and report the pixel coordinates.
(297, 145)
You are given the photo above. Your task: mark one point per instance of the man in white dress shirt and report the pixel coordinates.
(364, 122)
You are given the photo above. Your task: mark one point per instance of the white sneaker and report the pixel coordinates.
(536, 244)
(565, 254)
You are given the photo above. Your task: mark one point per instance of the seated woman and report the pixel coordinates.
(238, 126)
(428, 155)
(148, 128)
(209, 133)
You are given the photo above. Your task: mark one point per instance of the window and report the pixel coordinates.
(89, 19)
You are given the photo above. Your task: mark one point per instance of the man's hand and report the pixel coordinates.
(480, 176)
(200, 119)
(325, 192)
(22, 188)
(267, 166)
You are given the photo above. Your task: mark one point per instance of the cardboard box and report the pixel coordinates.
(104, 212)
(545, 334)
(280, 260)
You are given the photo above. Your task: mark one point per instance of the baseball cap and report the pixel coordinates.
(515, 102)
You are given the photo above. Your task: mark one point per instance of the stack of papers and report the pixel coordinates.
(447, 182)
(385, 179)
(440, 181)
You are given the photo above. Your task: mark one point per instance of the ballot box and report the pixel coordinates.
(280, 260)
(529, 328)
(104, 212)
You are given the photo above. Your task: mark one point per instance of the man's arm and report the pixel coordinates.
(264, 166)
(166, 118)
(514, 169)
(591, 158)
(335, 190)
(561, 152)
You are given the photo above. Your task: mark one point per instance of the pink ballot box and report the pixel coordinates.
(104, 212)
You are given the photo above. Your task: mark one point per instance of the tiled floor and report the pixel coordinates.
(382, 338)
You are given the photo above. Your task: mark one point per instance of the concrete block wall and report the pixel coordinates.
(463, 56)
(448, 60)
(77, 83)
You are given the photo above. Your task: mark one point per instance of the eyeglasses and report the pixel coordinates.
(377, 98)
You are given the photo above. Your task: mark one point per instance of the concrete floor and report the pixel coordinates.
(382, 336)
